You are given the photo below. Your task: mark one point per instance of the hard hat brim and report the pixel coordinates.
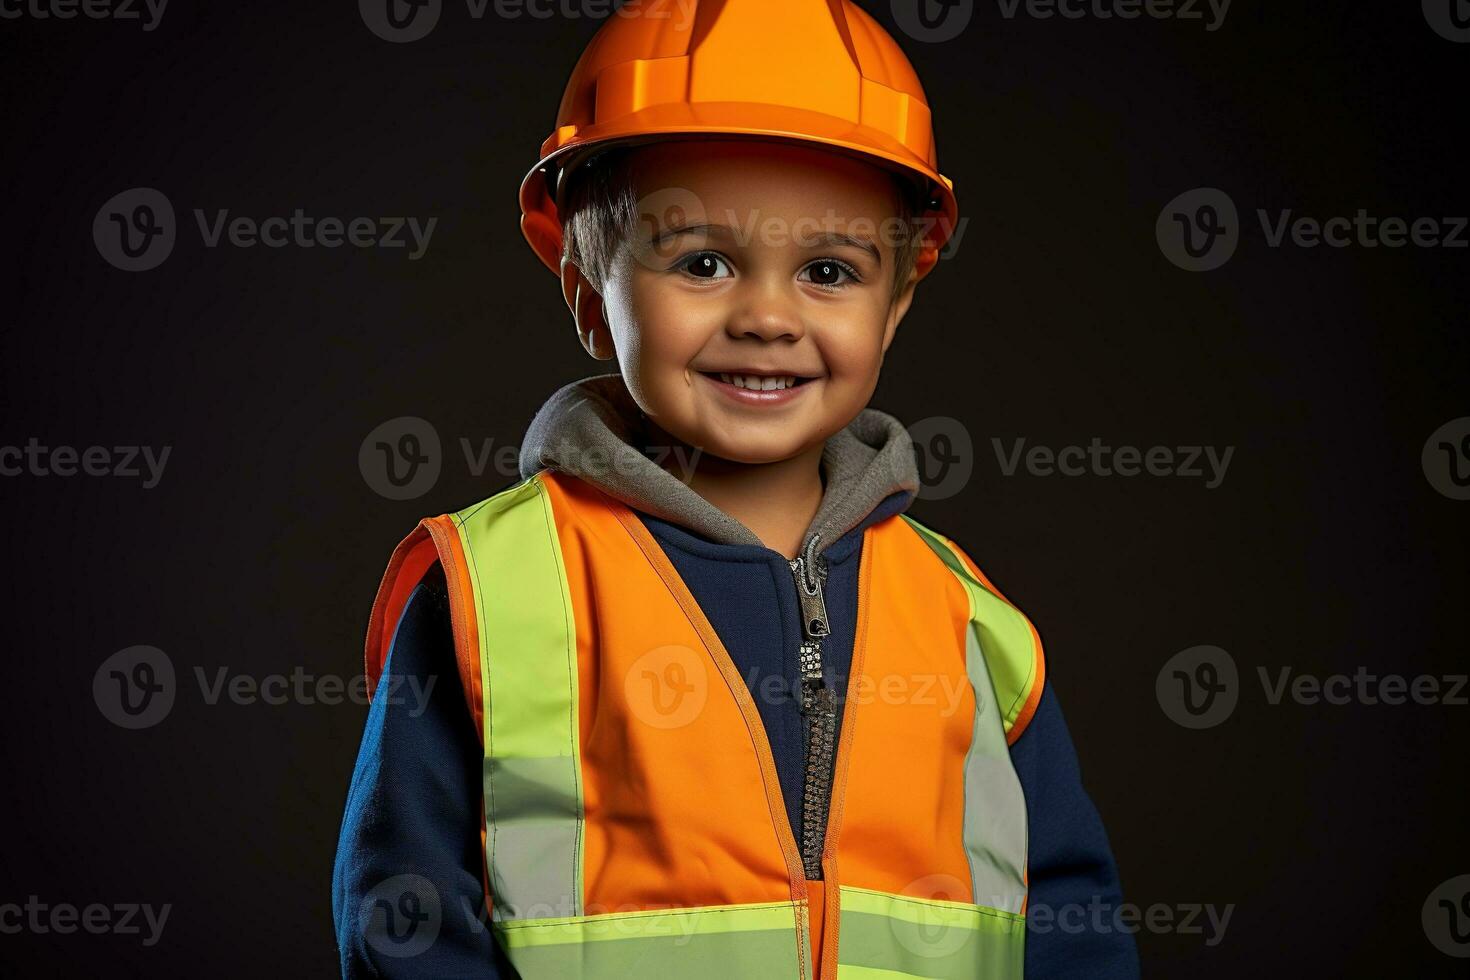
(540, 221)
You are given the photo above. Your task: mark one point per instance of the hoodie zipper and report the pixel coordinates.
(818, 706)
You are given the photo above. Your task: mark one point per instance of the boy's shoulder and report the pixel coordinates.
(526, 491)
(1008, 642)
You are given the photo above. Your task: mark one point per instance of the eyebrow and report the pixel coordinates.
(828, 238)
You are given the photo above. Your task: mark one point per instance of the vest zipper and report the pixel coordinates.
(818, 706)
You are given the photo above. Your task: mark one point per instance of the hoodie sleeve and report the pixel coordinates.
(1072, 929)
(407, 892)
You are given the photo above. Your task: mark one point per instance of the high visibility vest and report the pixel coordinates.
(632, 822)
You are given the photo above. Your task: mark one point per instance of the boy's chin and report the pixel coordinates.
(757, 452)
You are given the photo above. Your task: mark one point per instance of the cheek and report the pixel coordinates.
(853, 351)
(673, 326)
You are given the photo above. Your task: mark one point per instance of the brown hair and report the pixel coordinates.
(600, 208)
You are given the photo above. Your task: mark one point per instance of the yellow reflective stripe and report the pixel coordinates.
(723, 941)
(922, 911)
(528, 665)
(846, 971)
(887, 935)
(698, 920)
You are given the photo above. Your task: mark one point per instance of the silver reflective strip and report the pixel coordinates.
(535, 836)
(995, 807)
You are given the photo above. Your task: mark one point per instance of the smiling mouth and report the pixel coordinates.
(759, 382)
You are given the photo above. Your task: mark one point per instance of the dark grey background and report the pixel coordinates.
(1058, 320)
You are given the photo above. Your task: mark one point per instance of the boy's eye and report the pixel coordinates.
(705, 265)
(830, 272)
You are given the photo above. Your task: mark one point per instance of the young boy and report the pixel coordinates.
(707, 701)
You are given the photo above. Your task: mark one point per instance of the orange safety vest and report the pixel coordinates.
(632, 822)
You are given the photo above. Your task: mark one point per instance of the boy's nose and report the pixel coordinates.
(765, 310)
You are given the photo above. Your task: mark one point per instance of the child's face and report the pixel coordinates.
(761, 288)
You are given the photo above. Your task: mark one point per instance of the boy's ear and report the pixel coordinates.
(899, 308)
(586, 305)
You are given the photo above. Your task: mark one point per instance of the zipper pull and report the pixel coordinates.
(809, 594)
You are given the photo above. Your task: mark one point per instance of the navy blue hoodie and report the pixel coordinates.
(414, 803)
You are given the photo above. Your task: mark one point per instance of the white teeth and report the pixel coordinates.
(758, 383)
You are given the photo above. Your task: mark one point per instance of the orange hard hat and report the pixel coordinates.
(816, 71)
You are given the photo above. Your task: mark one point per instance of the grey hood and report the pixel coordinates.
(593, 429)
